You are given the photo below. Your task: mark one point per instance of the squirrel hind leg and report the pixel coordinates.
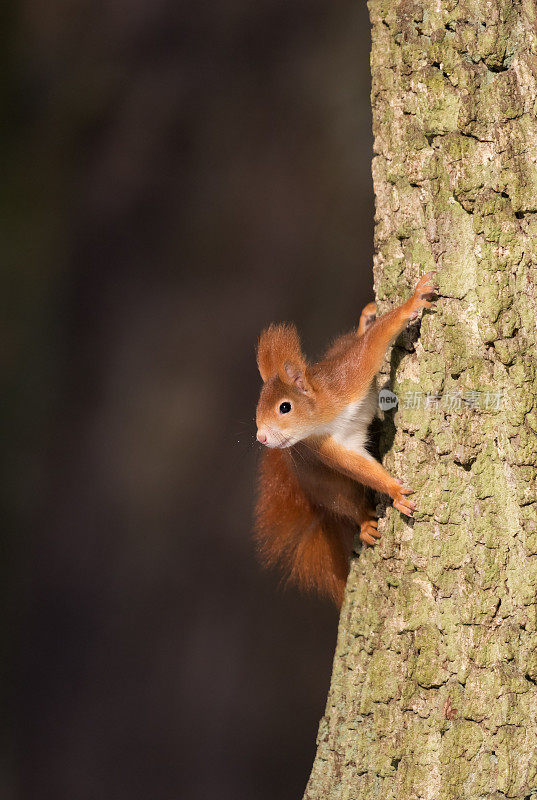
(368, 531)
(367, 317)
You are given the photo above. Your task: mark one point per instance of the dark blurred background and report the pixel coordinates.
(175, 176)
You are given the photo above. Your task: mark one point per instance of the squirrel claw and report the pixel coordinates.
(425, 286)
(369, 533)
(406, 507)
(401, 501)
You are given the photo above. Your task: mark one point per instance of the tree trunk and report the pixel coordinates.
(433, 691)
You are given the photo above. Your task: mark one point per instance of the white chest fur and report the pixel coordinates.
(350, 427)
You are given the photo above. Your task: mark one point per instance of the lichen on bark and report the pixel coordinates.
(434, 686)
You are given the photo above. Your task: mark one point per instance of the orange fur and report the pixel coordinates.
(279, 353)
(313, 546)
(312, 495)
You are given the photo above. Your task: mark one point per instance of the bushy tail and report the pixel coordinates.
(312, 545)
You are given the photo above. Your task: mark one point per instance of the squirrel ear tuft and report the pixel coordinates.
(265, 355)
(278, 346)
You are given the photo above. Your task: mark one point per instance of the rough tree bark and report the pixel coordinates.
(434, 687)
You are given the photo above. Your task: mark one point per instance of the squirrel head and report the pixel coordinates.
(286, 408)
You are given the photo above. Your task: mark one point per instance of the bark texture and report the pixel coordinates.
(434, 687)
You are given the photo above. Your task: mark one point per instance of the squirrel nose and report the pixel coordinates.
(261, 437)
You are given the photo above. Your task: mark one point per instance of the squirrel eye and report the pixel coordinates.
(285, 407)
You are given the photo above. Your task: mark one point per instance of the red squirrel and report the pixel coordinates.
(313, 420)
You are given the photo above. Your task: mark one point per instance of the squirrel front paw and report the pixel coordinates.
(400, 499)
(426, 287)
